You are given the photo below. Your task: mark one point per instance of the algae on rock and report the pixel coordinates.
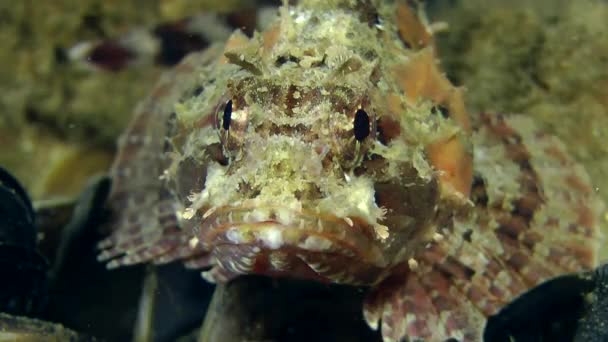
(50, 107)
(547, 59)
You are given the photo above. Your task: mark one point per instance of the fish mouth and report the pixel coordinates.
(277, 241)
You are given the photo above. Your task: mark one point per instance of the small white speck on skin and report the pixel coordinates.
(380, 26)
(482, 258)
(502, 280)
(188, 213)
(381, 231)
(209, 212)
(271, 237)
(348, 221)
(437, 237)
(413, 264)
(278, 260)
(113, 264)
(316, 244)
(410, 318)
(247, 262)
(468, 259)
(164, 175)
(284, 216)
(319, 267)
(301, 18)
(259, 215)
(80, 50)
(192, 197)
(193, 242)
(208, 276)
(347, 177)
(234, 235)
(458, 335)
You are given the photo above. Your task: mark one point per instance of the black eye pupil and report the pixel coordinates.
(444, 111)
(197, 91)
(227, 115)
(361, 125)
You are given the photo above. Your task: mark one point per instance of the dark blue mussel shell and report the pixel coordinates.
(568, 308)
(23, 289)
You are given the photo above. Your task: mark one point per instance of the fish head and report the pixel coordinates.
(319, 165)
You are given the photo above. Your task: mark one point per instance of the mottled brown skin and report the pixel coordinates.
(331, 147)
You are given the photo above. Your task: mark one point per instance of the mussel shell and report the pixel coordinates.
(23, 290)
(567, 308)
(16, 214)
(592, 326)
(22, 268)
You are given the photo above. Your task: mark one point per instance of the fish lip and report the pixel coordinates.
(308, 231)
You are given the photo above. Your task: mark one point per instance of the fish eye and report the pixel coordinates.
(227, 116)
(361, 125)
(443, 110)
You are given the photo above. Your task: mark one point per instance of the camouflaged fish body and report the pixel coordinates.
(330, 147)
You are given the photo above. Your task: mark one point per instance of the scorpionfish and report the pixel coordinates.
(331, 147)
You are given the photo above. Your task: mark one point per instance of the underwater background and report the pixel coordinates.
(60, 117)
